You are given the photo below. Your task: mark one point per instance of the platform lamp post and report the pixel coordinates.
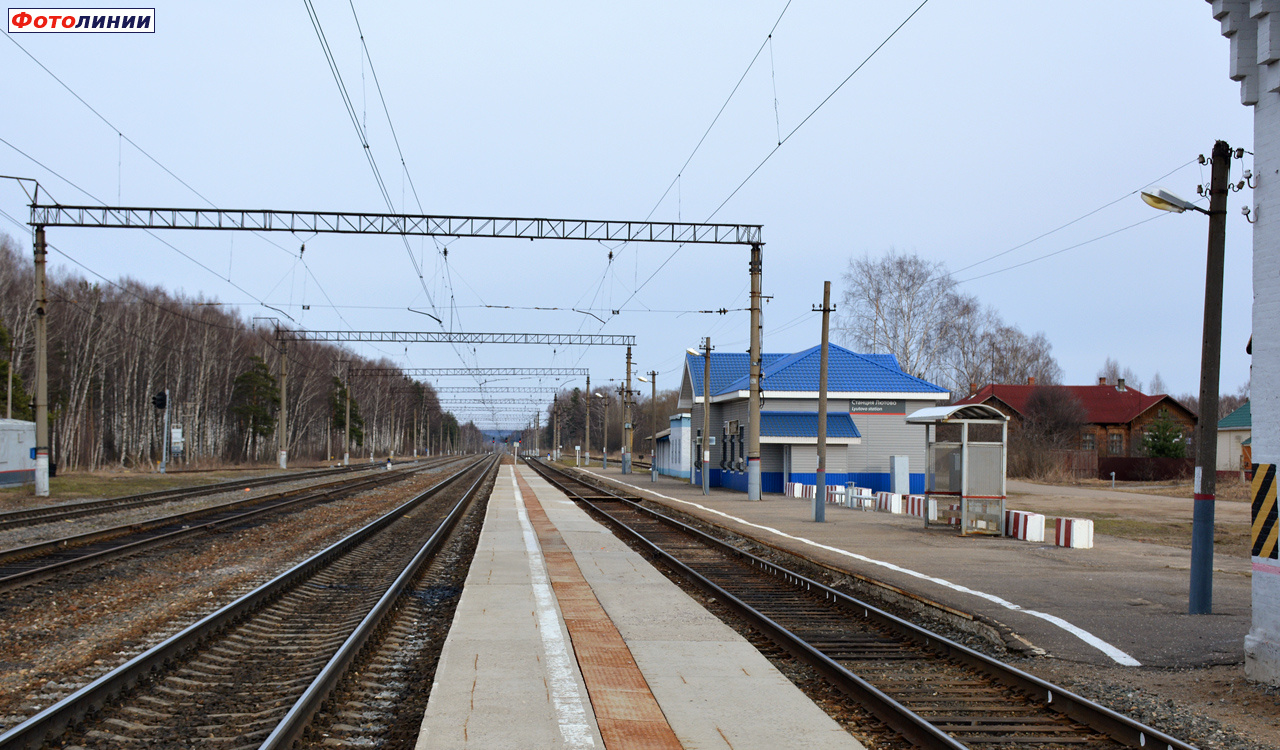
(652, 380)
(1201, 599)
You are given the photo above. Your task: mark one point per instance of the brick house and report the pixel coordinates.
(1116, 416)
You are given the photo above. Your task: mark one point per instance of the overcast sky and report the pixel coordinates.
(975, 129)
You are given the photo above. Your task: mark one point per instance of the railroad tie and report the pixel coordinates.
(626, 712)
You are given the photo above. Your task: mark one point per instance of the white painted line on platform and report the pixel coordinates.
(1114, 653)
(570, 712)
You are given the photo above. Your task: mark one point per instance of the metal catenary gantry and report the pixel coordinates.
(448, 337)
(320, 222)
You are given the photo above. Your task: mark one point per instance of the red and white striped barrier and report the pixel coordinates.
(1074, 532)
(933, 508)
(914, 505)
(796, 489)
(835, 495)
(1024, 525)
(889, 502)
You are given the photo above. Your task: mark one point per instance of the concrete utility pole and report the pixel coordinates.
(653, 429)
(284, 409)
(753, 403)
(8, 404)
(590, 396)
(42, 370)
(820, 492)
(1201, 600)
(706, 416)
(626, 420)
(164, 442)
(346, 440)
(555, 427)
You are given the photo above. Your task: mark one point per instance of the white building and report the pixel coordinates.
(17, 460)
(1254, 31)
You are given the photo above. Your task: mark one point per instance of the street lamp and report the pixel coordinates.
(1201, 598)
(1158, 197)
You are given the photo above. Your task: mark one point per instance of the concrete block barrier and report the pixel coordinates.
(889, 502)
(1074, 532)
(1024, 525)
(914, 505)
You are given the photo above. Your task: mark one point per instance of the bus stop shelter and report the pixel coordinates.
(966, 453)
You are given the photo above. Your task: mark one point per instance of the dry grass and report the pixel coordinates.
(82, 485)
(1231, 490)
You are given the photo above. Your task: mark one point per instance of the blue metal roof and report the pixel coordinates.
(801, 424)
(726, 367)
(847, 372)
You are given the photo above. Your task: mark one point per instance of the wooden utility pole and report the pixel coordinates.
(820, 492)
(1206, 475)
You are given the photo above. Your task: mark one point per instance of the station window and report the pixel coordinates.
(1087, 442)
(1115, 444)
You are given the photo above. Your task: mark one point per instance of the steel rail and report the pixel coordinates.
(268, 503)
(1098, 717)
(63, 511)
(295, 722)
(52, 721)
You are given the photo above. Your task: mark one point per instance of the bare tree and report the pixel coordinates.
(1157, 385)
(1111, 371)
(903, 305)
(910, 307)
(1051, 421)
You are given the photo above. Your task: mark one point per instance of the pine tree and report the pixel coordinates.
(255, 399)
(1163, 439)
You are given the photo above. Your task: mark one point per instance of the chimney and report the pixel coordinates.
(1031, 380)
(1120, 384)
(973, 388)
(1102, 380)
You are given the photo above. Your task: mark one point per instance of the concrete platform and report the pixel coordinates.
(1122, 602)
(509, 677)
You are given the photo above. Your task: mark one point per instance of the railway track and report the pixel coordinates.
(65, 511)
(255, 672)
(20, 566)
(933, 692)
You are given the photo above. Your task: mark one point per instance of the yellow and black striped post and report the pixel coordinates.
(1265, 528)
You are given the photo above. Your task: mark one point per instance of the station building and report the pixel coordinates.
(868, 399)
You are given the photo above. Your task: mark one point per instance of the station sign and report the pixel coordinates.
(877, 406)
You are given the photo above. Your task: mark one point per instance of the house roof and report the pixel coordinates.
(1103, 404)
(847, 372)
(1240, 419)
(804, 424)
